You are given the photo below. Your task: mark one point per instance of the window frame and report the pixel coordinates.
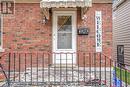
(1, 27)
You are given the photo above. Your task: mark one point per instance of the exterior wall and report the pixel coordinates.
(121, 30)
(88, 42)
(24, 30)
(37, 1)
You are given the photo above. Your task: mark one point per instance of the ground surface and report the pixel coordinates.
(59, 78)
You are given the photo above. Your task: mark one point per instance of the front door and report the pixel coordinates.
(64, 37)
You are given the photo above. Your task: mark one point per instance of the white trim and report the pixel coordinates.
(57, 13)
(1, 47)
(54, 35)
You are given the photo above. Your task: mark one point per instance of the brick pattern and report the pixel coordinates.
(24, 31)
(88, 42)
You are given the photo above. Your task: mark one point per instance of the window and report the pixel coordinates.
(1, 24)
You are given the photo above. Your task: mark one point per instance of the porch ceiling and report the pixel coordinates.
(65, 3)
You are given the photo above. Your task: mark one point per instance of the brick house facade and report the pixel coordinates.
(24, 30)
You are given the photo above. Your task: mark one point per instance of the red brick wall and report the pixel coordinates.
(88, 42)
(24, 30)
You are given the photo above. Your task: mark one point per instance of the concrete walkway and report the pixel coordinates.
(78, 77)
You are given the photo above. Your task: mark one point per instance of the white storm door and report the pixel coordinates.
(64, 37)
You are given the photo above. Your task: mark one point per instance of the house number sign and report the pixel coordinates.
(98, 26)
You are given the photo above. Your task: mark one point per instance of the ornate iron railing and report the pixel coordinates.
(43, 69)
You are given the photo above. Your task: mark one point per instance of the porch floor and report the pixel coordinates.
(59, 77)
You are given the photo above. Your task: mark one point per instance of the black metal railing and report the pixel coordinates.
(62, 69)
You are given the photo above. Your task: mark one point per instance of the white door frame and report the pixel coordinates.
(74, 33)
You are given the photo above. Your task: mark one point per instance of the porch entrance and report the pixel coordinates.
(64, 37)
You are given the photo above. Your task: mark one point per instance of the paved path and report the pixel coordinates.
(67, 78)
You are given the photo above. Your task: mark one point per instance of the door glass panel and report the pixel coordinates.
(64, 32)
(64, 24)
(64, 40)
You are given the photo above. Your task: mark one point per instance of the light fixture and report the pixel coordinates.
(44, 21)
